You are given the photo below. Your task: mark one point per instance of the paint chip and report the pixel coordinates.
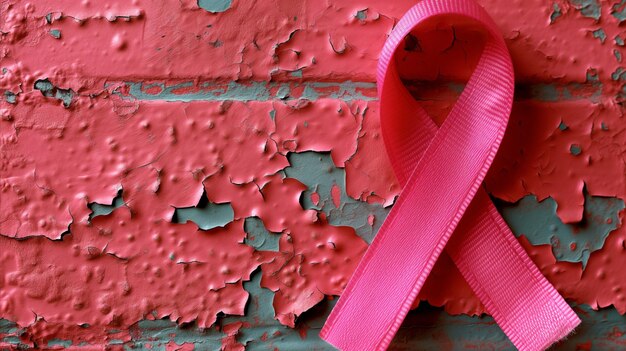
(215, 6)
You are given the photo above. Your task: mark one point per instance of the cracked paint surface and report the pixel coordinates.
(171, 181)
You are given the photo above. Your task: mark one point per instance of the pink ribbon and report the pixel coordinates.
(441, 171)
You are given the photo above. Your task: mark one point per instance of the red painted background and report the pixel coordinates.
(166, 101)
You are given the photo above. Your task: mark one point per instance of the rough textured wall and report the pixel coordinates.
(206, 174)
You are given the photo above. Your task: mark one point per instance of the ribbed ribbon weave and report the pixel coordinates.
(441, 171)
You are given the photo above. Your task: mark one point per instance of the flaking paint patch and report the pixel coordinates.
(259, 237)
(205, 214)
(541, 159)
(215, 6)
(166, 41)
(426, 328)
(570, 242)
(252, 91)
(116, 245)
(326, 185)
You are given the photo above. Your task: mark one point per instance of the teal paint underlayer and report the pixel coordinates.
(55, 33)
(59, 342)
(619, 11)
(10, 96)
(253, 91)
(318, 172)
(49, 90)
(588, 8)
(258, 236)
(207, 215)
(599, 34)
(345, 91)
(556, 12)
(426, 328)
(539, 223)
(105, 209)
(262, 331)
(215, 6)
(361, 15)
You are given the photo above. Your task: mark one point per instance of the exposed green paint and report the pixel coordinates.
(258, 236)
(619, 74)
(592, 76)
(318, 172)
(13, 340)
(556, 12)
(10, 97)
(562, 126)
(600, 34)
(618, 55)
(345, 91)
(575, 149)
(159, 333)
(548, 92)
(588, 8)
(619, 11)
(540, 224)
(9, 332)
(283, 92)
(58, 342)
(260, 316)
(571, 91)
(425, 328)
(361, 15)
(206, 215)
(253, 91)
(619, 40)
(105, 209)
(297, 73)
(55, 33)
(553, 93)
(49, 90)
(215, 6)
(261, 331)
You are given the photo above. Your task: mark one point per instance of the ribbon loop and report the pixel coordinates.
(441, 171)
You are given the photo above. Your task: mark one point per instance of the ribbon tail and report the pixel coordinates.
(521, 300)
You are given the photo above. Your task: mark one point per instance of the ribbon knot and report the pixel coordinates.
(443, 206)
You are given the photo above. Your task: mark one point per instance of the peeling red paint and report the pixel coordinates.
(601, 284)
(138, 39)
(112, 271)
(315, 259)
(536, 155)
(135, 261)
(230, 343)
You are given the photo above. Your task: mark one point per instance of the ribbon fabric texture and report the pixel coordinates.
(443, 205)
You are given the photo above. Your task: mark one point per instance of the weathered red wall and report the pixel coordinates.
(166, 101)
